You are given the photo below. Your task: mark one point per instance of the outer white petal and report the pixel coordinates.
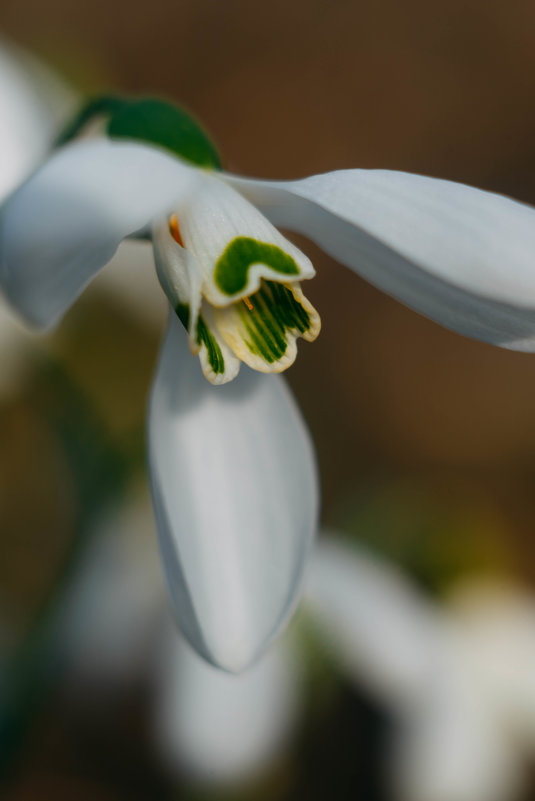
(464, 257)
(219, 728)
(235, 494)
(33, 104)
(67, 221)
(381, 629)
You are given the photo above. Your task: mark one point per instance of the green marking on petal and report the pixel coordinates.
(182, 312)
(215, 356)
(232, 267)
(268, 316)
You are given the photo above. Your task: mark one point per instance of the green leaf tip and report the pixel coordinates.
(150, 120)
(165, 125)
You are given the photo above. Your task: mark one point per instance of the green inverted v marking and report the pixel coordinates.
(232, 268)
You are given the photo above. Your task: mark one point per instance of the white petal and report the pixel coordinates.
(180, 276)
(235, 494)
(67, 221)
(219, 728)
(216, 218)
(375, 621)
(459, 255)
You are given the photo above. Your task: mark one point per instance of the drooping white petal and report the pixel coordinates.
(234, 489)
(67, 221)
(381, 629)
(459, 255)
(33, 104)
(223, 729)
(234, 244)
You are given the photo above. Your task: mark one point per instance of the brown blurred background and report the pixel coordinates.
(399, 408)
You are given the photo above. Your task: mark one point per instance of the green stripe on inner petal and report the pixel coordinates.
(232, 268)
(262, 329)
(268, 315)
(213, 351)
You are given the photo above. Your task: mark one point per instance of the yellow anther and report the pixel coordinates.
(174, 230)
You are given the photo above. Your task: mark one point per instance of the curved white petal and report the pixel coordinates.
(234, 488)
(68, 219)
(219, 728)
(376, 623)
(464, 257)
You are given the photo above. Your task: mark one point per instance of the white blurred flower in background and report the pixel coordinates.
(221, 729)
(34, 104)
(455, 678)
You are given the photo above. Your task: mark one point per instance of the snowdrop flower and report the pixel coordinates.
(232, 468)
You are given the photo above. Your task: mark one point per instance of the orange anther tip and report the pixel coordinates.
(174, 230)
